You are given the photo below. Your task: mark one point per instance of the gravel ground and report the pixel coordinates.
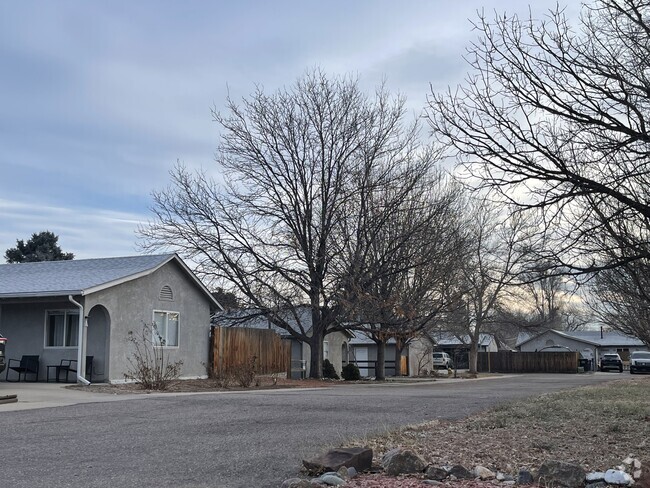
(595, 427)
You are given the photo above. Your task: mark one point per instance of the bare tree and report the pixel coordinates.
(621, 299)
(496, 251)
(401, 259)
(272, 233)
(555, 118)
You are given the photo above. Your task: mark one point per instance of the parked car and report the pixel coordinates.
(640, 362)
(611, 361)
(3, 342)
(442, 360)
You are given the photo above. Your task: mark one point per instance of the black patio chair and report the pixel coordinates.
(25, 365)
(70, 366)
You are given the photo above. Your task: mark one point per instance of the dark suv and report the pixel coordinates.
(3, 341)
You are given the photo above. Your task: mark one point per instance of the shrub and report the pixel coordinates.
(244, 373)
(328, 370)
(350, 372)
(148, 364)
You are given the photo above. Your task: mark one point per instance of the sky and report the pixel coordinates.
(99, 100)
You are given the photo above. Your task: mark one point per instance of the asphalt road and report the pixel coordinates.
(250, 439)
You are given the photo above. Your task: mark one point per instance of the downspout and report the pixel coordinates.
(81, 348)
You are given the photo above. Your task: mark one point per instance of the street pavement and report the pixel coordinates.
(239, 439)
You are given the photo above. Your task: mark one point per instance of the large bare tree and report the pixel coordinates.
(554, 117)
(496, 251)
(275, 232)
(401, 258)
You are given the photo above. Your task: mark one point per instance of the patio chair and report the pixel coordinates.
(70, 366)
(25, 365)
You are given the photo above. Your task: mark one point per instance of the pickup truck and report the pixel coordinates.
(3, 341)
(611, 361)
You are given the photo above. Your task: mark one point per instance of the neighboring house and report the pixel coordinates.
(458, 347)
(591, 344)
(41, 305)
(363, 353)
(335, 345)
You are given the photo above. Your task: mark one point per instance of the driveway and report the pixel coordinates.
(250, 439)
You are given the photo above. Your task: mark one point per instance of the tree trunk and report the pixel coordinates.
(316, 361)
(380, 365)
(473, 356)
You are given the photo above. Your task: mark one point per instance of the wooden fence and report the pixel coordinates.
(528, 362)
(232, 347)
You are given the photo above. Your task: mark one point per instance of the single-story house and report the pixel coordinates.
(335, 344)
(43, 304)
(363, 353)
(591, 344)
(458, 346)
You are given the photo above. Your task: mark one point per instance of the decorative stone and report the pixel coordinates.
(504, 477)
(296, 483)
(628, 460)
(525, 477)
(316, 483)
(637, 474)
(484, 473)
(460, 472)
(637, 464)
(402, 461)
(617, 477)
(595, 476)
(352, 472)
(434, 473)
(561, 474)
(508, 482)
(360, 458)
(332, 480)
(342, 473)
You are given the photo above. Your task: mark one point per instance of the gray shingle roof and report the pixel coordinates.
(52, 278)
(609, 338)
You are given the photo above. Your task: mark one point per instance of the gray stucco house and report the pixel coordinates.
(591, 344)
(41, 305)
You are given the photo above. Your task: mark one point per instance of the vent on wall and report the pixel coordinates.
(166, 293)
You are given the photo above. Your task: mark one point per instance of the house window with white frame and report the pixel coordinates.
(167, 328)
(61, 328)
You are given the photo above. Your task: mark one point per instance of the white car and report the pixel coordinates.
(442, 360)
(640, 362)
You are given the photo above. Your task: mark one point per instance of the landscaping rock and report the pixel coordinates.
(561, 474)
(296, 483)
(332, 480)
(484, 473)
(617, 477)
(402, 461)
(342, 473)
(352, 472)
(595, 476)
(525, 477)
(637, 474)
(504, 477)
(434, 473)
(460, 472)
(637, 464)
(359, 458)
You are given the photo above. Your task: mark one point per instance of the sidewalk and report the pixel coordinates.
(42, 395)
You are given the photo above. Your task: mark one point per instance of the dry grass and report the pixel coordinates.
(596, 427)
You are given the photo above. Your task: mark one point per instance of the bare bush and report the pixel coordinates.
(148, 364)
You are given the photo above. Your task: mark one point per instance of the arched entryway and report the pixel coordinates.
(97, 343)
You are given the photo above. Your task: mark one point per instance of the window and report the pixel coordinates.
(326, 350)
(61, 328)
(167, 325)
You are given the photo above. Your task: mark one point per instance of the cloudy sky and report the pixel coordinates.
(98, 100)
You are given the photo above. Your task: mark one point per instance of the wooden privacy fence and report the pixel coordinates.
(528, 362)
(233, 347)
